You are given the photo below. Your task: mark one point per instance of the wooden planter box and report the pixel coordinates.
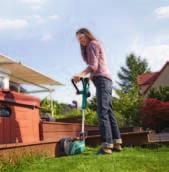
(131, 129)
(57, 130)
(135, 138)
(11, 152)
(76, 119)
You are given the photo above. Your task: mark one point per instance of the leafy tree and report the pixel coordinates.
(128, 75)
(128, 99)
(126, 107)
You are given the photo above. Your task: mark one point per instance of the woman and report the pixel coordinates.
(94, 56)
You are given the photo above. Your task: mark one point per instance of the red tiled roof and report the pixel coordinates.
(147, 78)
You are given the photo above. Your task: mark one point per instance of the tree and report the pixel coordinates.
(128, 99)
(126, 107)
(128, 75)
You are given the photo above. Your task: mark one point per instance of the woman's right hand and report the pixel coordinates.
(76, 78)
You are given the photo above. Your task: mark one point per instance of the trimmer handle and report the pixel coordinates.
(74, 84)
(84, 92)
(84, 81)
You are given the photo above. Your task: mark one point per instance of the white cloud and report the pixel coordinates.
(47, 37)
(157, 55)
(13, 24)
(136, 45)
(39, 19)
(54, 17)
(162, 12)
(162, 38)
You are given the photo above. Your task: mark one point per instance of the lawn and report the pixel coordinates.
(130, 160)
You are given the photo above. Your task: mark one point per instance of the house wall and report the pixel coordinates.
(143, 88)
(162, 80)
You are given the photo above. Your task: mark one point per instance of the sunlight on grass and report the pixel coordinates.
(129, 160)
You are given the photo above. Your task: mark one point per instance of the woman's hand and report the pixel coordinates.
(76, 78)
(82, 74)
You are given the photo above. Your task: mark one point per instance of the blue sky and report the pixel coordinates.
(41, 34)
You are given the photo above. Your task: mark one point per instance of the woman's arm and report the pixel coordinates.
(93, 55)
(82, 74)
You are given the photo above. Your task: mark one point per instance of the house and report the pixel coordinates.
(151, 80)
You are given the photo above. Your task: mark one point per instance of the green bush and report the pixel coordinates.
(91, 117)
(72, 113)
(161, 93)
(126, 107)
(120, 119)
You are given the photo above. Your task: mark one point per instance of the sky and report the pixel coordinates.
(41, 34)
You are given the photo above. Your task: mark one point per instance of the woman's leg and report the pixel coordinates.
(115, 128)
(103, 102)
(114, 125)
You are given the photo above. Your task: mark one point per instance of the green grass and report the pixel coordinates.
(129, 160)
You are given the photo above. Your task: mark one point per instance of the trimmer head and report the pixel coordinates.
(70, 147)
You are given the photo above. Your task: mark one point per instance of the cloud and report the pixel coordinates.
(39, 19)
(162, 12)
(13, 24)
(54, 17)
(136, 45)
(47, 37)
(156, 55)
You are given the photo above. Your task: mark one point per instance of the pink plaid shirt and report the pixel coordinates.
(96, 60)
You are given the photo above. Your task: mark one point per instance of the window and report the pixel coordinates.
(5, 111)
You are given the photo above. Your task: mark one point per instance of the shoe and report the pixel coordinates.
(117, 148)
(103, 151)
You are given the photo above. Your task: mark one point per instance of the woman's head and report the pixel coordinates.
(84, 36)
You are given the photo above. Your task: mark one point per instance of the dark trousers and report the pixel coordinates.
(109, 129)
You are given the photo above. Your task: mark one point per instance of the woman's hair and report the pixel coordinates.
(89, 36)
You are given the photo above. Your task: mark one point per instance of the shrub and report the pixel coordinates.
(91, 117)
(126, 107)
(154, 114)
(161, 93)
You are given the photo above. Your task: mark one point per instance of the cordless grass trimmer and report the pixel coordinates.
(68, 146)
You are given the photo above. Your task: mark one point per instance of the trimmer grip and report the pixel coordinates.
(74, 84)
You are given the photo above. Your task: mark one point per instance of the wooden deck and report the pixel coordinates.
(159, 137)
(51, 133)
